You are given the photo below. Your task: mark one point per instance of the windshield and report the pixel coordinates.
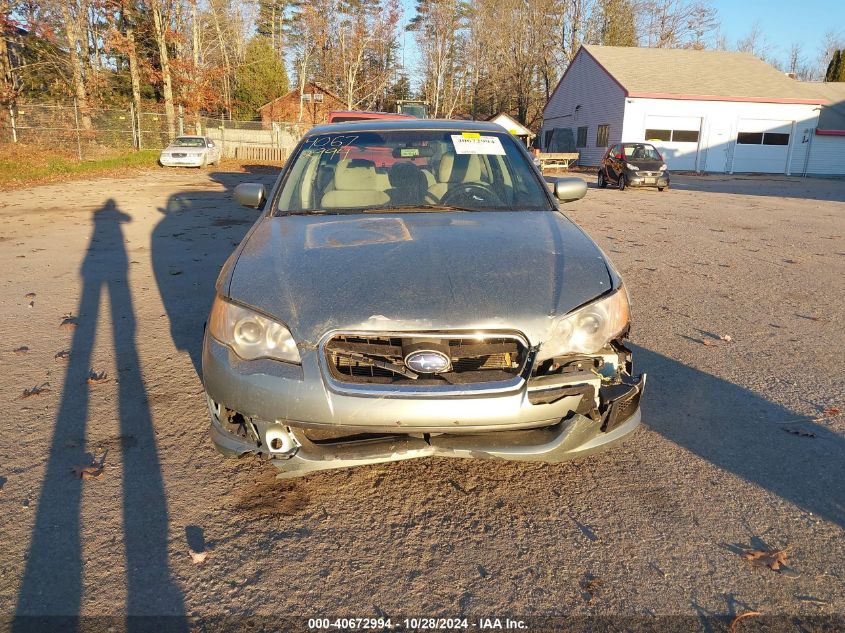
(642, 151)
(410, 170)
(188, 141)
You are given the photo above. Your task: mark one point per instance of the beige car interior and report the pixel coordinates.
(356, 182)
(355, 185)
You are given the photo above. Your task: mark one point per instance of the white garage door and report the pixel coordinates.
(676, 137)
(762, 145)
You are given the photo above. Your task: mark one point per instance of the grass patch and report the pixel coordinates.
(22, 166)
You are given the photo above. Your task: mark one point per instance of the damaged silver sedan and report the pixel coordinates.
(412, 289)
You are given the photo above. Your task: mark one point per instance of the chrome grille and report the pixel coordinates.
(379, 358)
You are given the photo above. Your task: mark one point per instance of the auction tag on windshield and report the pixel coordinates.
(472, 143)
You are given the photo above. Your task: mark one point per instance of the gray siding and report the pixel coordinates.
(602, 101)
(827, 156)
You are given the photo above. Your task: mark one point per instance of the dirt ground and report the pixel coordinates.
(742, 446)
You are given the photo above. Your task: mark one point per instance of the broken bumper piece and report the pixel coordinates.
(295, 451)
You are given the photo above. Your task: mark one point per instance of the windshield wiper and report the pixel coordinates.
(409, 208)
(418, 207)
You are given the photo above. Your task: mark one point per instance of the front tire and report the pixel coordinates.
(661, 188)
(622, 182)
(602, 182)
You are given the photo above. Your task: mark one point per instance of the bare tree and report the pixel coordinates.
(755, 42)
(439, 28)
(161, 29)
(8, 83)
(678, 23)
(77, 61)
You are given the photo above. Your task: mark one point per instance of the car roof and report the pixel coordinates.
(387, 125)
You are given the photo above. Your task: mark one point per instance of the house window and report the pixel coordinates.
(775, 138)
(685, 136)
(582, 137)
(749, 138)
(602, 133)
(658, 135)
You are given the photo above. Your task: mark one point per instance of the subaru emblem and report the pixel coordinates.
(428, 362)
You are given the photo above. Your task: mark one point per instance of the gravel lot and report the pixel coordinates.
(742, 445)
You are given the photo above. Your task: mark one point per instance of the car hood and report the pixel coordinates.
(418, 271)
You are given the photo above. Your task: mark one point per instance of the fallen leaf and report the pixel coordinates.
(68, 322)
(742, 616)
(175, 271)
(97, 378)
(23, 349)
(773, 559)
(590, 586)
(36, 391)
(63, 355)
(831, 411)
(198, 558)
(29, 295)
(708, 342)
(88, 472)
(727, 338)
(31, 304)
(799, 432)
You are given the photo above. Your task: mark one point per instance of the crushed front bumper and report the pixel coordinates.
(278, 411)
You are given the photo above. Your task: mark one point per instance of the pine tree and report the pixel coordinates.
(261, 79)
(836, 67)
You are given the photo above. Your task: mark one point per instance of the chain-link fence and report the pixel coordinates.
(102, 131)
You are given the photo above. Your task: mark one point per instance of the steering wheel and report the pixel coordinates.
(471, 194)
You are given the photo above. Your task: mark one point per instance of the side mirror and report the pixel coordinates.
(250, 194)
(567, 189)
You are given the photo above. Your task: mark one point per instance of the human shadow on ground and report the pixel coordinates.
(792, 456)
(52, 581)
(198, 231)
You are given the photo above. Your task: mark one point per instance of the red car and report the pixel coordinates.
(346, 116)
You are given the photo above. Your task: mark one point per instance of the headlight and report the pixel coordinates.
(630, 166)
(249, 334)
(664, 167)
(588, 329)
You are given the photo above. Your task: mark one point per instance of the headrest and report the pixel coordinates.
(459, 168)
(355, 174)
(406, 175)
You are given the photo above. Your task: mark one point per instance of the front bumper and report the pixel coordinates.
(184, 161)
(637, 179)
(271, 408)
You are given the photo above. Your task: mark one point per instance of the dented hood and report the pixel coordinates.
(418, 271)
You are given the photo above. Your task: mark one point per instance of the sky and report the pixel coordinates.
(783, 22)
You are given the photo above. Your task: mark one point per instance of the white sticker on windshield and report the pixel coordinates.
(474, 143)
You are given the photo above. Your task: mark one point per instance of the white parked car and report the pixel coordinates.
(190, 151)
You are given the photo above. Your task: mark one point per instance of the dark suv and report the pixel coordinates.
(635, 165)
